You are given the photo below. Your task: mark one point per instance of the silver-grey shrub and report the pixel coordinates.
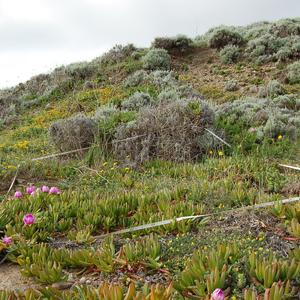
(117, 54)
(81, 70)
(268, 117)
(74, 133)
(223, 37)
(157, 59)
(230, 54)
(163, 79)
(137, 101)
(274, 88)
(104, 112)
(294, 72)
(231, 86)
(137, 78)
(271, 90)
(179, 42)
(169, 131)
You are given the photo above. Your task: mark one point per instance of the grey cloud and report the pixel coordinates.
(24, 36)
(87, 26)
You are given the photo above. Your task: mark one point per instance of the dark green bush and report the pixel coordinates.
(180, 43)
(224, 37)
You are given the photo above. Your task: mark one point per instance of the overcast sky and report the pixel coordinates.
(38, 35)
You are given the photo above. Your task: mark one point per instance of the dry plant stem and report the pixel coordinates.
(290, 167)
(178, 219)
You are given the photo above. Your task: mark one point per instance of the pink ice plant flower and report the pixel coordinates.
(18, 194)
(54, 190)
(45, 189)
(29, 219)
(218, 294)
(7, 240)
(30, 190)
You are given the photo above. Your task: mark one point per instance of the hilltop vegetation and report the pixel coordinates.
(144, 118)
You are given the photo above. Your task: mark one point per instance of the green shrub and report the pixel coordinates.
(163, 79)
(231, 86)
(104, 112)
(266, 44)
(137, 101)
(157, 59)
(82, 70)
(271, 90)
(274, 88)
(73, 133)
(137, 78)
(168, 95)
(223, 37)
(117, 54)
(285, 27)
(230, 54)
(284, 53)
(108, 118)
(263, 117)
(288, 101)
(294, 72)
(180, 42)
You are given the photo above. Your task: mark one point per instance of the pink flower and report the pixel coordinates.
(54, 190)
(252, 130)
(18, 194)
(45, 189)
(30, 190)
(218, 294)
(29, 219)
(7, 240)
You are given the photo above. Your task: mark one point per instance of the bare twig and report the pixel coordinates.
(60, 154)
(217, 137)
(170, 221)
(128, 139)
(290, 167)
(13, 181)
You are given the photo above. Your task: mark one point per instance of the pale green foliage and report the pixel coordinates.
(137, 78)
(294, 72)
(104, 112)
(223, 37)
(82, 70)
(137, 101)
(271, 90)
(229, 54)
(116, 54)
(231, 85)
(269, 118)
(157, 59)
(274, 88)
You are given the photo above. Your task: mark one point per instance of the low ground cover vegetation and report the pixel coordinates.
(145, 119)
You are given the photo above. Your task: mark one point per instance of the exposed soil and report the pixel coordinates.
(11, 279)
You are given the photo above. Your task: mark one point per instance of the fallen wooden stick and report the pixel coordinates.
(217, 137)
(290, 167)
(178, 219)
